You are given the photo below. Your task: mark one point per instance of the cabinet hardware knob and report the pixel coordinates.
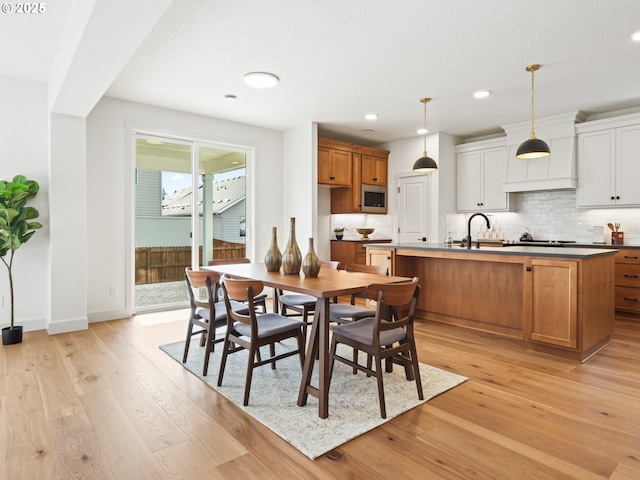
(631, 299)
(612, 197)
(618, 197)
(375, 179)
(629, 256)
(631, 276)
(528, 269)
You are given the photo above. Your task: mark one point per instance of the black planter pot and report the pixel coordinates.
(11, 337)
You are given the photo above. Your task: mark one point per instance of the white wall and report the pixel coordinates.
(110, 175)
(299, 186)
(24, 150)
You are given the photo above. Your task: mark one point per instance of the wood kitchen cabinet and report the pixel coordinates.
(628, 280)
(481, 168)
(382, 257)
(334, 167)
(367, 166)
(552, 302)
(374, 170)
(608, 163)
(347, 251)
(561, 304)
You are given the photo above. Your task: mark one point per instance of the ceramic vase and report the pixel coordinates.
(273, 258)
(311, 262)
(292, 258)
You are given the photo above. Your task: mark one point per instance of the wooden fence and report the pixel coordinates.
(167, 264)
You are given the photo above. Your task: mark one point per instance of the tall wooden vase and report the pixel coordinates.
(291, 258)
(273, 258)
(311, 262)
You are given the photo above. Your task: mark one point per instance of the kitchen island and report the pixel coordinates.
(559, 300)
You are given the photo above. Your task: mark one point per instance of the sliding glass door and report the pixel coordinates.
(182, 218)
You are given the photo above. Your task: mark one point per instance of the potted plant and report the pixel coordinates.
(339, 231)
(16, 228)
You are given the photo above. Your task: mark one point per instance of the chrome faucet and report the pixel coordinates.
(468, 239)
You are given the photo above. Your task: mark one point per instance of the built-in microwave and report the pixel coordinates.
(373, 199)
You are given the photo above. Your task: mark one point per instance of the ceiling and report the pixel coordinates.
(338, 60)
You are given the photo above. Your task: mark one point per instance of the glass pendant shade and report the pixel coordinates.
(425, 163)
(534, 147)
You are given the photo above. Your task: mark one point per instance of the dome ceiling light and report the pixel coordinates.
(425, 163)
(534, 147)
(261, 79)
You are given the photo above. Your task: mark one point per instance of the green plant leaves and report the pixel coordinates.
(15, 227)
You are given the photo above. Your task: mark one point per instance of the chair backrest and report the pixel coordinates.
(197, 279)
(240, 289)
(330, 264)
(228, 261)
(356, 267)
(392, 298)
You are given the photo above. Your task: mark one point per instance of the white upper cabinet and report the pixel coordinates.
(481, 168)
(608, 165)
(556, 171)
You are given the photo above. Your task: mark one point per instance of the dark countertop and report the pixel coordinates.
(566, 252)
(368, 240)
(605, 245)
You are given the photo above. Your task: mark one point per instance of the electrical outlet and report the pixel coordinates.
(114, 290)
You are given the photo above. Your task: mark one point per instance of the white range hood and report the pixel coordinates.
(555, 172)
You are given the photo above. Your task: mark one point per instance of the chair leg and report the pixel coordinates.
(383, 410)
(223, 361)
(332, 358)
(247, 384)
(302, 342)
(211, 335)
(187, 342)
(272, 352)
(355, 360)
(416, 371)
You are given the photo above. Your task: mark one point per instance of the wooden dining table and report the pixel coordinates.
(328, 284)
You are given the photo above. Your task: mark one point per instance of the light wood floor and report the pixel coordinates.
(107, 403)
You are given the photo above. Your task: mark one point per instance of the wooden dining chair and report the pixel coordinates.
(259, 300)
(346, 312)
(387, 336)
(205, 313)
(301, 304)
(250, 331)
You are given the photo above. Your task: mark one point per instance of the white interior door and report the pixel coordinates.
(413, 208)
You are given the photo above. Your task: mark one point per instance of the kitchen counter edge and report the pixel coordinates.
(566, 252)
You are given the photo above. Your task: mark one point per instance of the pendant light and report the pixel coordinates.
(424, 163)
(534, 147)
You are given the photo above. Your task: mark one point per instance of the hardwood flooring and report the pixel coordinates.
(106, 403)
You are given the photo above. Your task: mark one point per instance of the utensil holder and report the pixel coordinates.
(617, 238)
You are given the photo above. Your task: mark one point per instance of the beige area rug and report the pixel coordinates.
(353, 399)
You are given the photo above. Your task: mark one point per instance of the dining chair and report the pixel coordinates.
(303, 305)
(259, 300)
(345, 312)
(386, 336)
(205, 313)
(250, 331)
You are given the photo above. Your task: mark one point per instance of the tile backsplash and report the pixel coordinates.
(553, 215)
(383, 225)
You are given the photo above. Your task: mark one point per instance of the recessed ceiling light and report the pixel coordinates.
(482, 94)
(261, 79)
(636, 36)
(422, 131)
(230, 98)
(371, 116)
(367, 131)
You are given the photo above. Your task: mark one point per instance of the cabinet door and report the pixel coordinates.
(627, 165)
(469, 194)
(494, 163)
(553, 298)
(381, 257)
(596, 169)
(334, 167)
(374, 170)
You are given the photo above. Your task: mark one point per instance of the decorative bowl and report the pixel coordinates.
(365, 232)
